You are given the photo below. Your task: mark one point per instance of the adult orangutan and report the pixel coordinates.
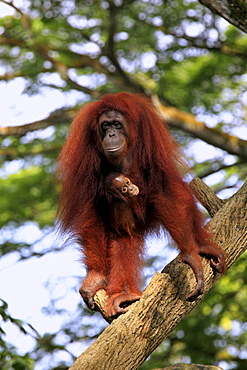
(120, 177)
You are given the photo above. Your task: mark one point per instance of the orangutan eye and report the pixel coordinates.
(105, 126)
(117, 125)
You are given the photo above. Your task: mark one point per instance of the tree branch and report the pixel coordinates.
(234, 12)
(190, 124)
(171, 115)
(9, 154)
(206, 196)
(215, 165)
(11, 4)
(163, 303)
(59, 117)
(10, 41)
(130, 84)
(197, 43)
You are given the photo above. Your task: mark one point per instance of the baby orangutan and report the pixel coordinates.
(119, 184)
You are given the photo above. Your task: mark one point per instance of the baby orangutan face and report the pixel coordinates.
(118, 181)
(125, 186)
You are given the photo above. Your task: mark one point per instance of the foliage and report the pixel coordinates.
(9, 359)
(177, 50)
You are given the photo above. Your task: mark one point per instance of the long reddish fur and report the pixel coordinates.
(165, 200)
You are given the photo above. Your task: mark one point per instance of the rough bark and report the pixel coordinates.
(163, 304)
(190, 367)
(206, 196)
(234, 11)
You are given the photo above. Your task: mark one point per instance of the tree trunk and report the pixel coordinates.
(131, 338)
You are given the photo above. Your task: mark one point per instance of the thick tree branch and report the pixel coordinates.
(59, 117)
(190, 124)
(163, 303)
(206, 196)
(234, 11)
